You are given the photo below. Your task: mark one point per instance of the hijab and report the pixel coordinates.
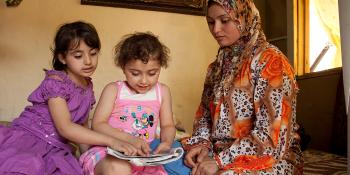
(229, 59)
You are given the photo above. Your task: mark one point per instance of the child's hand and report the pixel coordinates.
(163, 147)
(124, 147)
(142, 146)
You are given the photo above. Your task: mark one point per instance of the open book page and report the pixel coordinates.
(152, 159)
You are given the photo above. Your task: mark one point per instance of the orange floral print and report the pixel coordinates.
(276, 65)
(242, 128)
(275, 131)
(215, 111)
(251, 162)
(242, 79)
(273, 69)
(286, 111)
(186, 147)
(278, 123)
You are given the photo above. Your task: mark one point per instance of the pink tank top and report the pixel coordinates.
(136, 114)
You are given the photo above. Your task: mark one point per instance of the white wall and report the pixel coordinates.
(27, 31)
(344, 17)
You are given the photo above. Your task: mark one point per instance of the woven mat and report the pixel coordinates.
(319, 163)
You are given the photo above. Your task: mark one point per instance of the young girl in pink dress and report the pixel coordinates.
(37, 141)
(130, 110)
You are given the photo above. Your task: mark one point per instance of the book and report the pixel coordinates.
(150, 160)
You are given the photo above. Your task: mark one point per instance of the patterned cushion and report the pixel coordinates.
(319, 163)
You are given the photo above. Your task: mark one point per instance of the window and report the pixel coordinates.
(317, 35)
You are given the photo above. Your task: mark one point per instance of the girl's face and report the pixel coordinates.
(81, 62)
(222, 26)
(142, 77)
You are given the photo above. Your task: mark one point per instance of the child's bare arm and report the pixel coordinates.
(74, 132)
(167, 126)
(84, 147)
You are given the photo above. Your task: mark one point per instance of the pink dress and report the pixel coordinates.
(136, 114)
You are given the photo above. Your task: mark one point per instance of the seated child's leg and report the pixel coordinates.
(111, 165)
(177, 167)
(95, 161)
(90, 158)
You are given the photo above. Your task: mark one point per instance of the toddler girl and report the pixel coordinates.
(130, 110)
(37, 141)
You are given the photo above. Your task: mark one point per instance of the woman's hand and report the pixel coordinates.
(196, 155)
(141, 145)
(207, 166)
(163, 147)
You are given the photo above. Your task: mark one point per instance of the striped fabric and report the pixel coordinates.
(322, 163)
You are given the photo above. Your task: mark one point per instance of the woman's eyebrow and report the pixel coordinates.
(220, 16)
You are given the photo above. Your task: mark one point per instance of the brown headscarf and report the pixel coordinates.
(252, 40)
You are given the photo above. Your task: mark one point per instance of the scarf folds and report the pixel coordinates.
(230, 59)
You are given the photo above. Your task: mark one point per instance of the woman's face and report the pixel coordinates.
(222, 26)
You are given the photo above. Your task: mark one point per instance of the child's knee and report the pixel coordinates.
(119, 166)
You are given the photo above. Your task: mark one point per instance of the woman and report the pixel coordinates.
(246, 121)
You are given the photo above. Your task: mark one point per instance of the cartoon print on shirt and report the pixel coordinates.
(140, 123)
(123, 118)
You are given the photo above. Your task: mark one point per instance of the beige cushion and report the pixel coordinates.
(5, 123)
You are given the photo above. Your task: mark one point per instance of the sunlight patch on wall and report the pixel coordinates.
(324, 35)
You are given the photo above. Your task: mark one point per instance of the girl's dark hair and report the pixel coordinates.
(141, 46)
(68, 37)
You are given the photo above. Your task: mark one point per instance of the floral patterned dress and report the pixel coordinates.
(247, 112)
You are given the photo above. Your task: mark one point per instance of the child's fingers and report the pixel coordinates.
(146, 149)
(124, 150)
(140, 152)
(127, 149)
(161, 149)
(133, 150)
(157, 150)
